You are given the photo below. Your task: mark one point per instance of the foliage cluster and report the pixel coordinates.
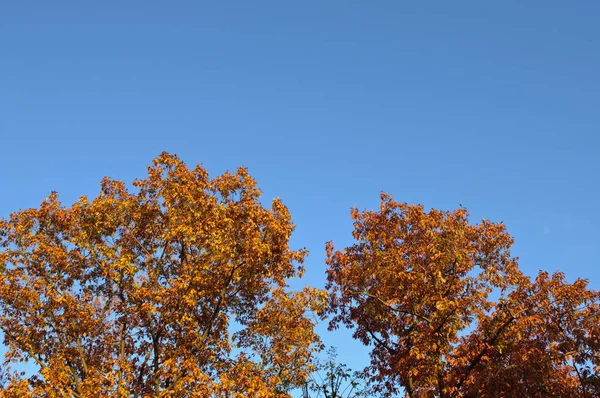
(178, 287)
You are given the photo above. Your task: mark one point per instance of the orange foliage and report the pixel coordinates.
(449, 314)
(177, 288)
(135, 293)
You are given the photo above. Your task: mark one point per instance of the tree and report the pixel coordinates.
(138, 293)
(335, 380)
(449, 314)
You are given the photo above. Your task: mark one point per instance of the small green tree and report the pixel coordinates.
(335, 380)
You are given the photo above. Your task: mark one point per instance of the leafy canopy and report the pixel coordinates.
(177, 288)
(449, 314)
(136, 293)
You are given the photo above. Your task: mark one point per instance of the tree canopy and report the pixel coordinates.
(178, 287)
(136, 293)
(332, 379)
(449, 314)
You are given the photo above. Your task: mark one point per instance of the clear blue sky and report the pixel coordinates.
(493, 105)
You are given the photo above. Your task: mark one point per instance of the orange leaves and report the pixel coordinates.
(137, 291)
(178, 288)
(418, 286)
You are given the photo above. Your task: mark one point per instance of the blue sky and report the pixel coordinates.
(492, 105)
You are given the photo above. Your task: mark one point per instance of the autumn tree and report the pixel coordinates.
(173, 288)
(449, 314)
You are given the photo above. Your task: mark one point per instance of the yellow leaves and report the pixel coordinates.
(139, 292)
(136, 291)
(417, 354)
